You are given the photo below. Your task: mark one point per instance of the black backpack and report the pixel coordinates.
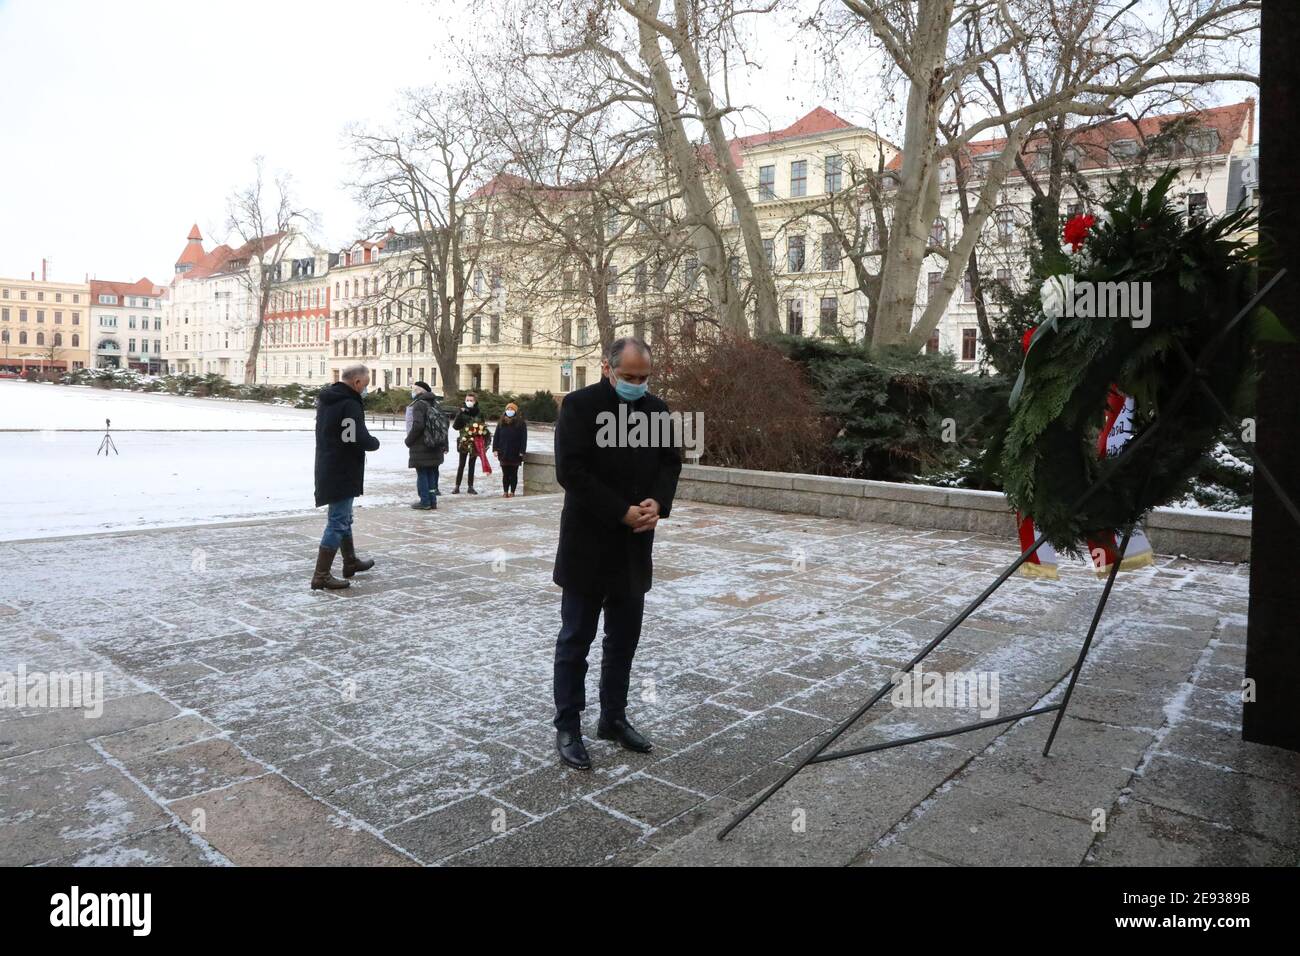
(436, 424)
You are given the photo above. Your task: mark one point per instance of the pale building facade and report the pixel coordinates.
(1215, 159)
(126, 324)
(532, 324)
(212, 307)
(44, 325)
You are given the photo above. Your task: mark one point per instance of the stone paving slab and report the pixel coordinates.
(250, 721)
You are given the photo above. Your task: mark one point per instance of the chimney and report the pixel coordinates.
(42, 270)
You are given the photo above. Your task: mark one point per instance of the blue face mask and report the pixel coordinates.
(629, 392)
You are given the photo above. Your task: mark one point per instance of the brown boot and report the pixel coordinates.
(322, 578)
(351, 563)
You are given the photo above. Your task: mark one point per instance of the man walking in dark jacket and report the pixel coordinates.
(341, 445)
(616, 489)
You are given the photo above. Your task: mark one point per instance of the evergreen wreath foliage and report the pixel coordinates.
(1200, 276)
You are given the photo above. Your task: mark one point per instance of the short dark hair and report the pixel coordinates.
(616, 348)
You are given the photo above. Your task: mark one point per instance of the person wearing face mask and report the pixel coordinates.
(426, 437)
(469, 412)
(510, 442)
(341, 445)
(614, 495)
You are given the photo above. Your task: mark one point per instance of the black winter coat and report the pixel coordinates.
(341, 444)
(510, 441)
(422, 456)
(597, 553)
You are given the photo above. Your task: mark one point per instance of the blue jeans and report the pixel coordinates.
(338, 524)
(578, 616)
(426, 484)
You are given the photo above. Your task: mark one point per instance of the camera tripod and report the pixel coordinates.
(107, 441)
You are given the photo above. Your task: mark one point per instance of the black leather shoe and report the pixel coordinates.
(623, 734)
(571, 750)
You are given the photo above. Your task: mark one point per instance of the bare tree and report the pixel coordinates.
(662, 64)
(266, 221)
(1085, 58)
(420, 180)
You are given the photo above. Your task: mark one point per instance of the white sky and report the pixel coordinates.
(123, 122)
(126, 121)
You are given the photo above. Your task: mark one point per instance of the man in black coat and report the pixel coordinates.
(616, 489)
(341, 445)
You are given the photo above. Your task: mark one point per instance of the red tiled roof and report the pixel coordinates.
(194, 233)
(820, 120)
(1094, 142)
(143, 286)
(210, 263)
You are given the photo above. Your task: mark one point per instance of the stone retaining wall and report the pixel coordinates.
(1205, 535)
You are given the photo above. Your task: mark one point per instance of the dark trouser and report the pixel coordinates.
(578, 614)
(509, 477)
(460, 466)
(426, 484)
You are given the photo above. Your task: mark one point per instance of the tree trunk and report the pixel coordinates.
(917, 199)
(765, 305)
(706, 236)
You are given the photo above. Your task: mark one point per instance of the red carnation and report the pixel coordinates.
(1076, 231)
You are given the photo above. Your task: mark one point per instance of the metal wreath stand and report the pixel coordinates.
(1195, 379)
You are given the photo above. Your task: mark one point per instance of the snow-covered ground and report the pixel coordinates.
(238, 463)
(33, 405)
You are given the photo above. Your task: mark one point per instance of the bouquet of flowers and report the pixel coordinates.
(475, 436)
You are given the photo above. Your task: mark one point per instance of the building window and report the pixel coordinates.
(1198, 207)
(834, 173)
(1124, 148)
(799, 177)
(1006, 220)
(794, 254)
(830, 316)
(939, 232)
(967, 287)
(932, 344)
(830, 252)
(526, 330)
(1202, 141)
(968, 345)
(932, 285)
(794, 316)
(767, 182)
(692, 272)
(769, 253)
(642, 278)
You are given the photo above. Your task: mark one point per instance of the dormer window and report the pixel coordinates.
(1202, 141)
(1123, 149)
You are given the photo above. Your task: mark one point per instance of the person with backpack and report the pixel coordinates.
(426, 437)
(510, 442)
